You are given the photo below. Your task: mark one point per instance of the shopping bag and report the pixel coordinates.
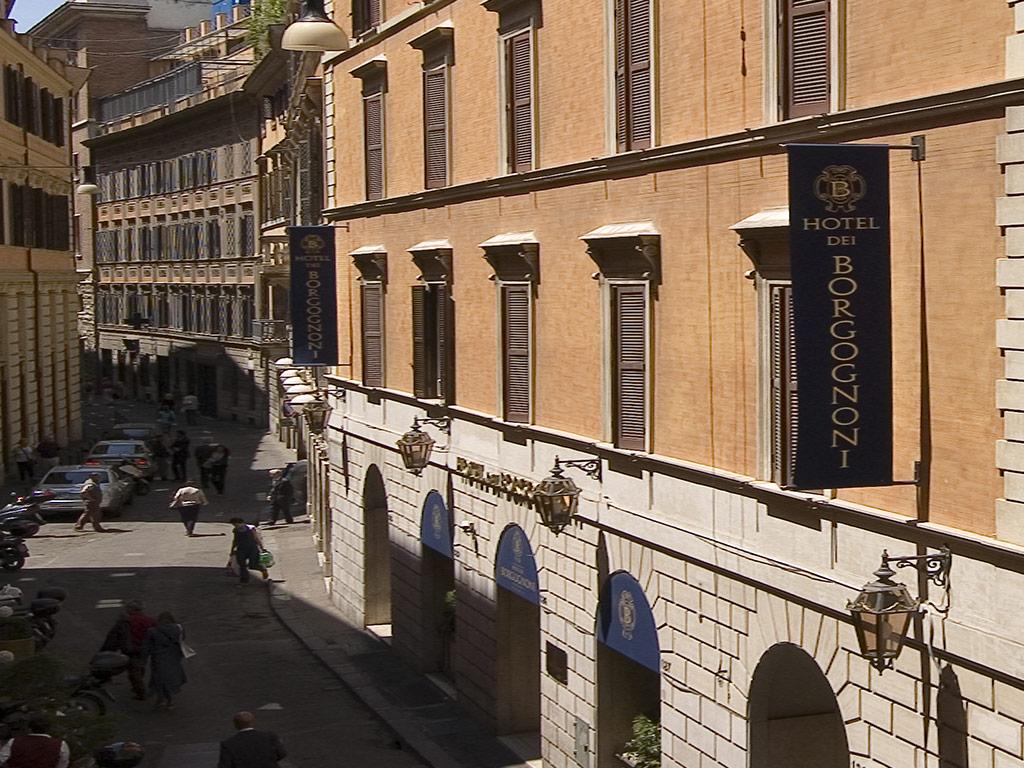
(231, 569)
(266, 559)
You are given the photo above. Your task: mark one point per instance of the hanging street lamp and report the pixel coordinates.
(556, 497)
(883, 610)
(299, 389)
(314, 30)
(415, 445)
(292, 381)
(316, 415)
(283, 362)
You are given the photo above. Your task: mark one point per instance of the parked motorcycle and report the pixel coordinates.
(13, 552)
(23, 517)
(88, 692)
(141, 483)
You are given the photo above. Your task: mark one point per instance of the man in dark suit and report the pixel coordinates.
(250, 748)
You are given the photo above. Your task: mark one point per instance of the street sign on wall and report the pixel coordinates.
(314, 308)
(842, 314)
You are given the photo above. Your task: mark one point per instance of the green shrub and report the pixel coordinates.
(644, 745)
(264, 14)
(14, 628)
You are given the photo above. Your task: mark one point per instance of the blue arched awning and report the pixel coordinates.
(625, 622)
(436, 525)
(515, 568)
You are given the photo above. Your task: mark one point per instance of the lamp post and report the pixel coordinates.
(883, 609)
(556, 497)
(314, 30)
(415, 445)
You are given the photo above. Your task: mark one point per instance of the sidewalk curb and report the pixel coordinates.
(409, 736)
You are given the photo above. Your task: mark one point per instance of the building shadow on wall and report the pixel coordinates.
(951, 713)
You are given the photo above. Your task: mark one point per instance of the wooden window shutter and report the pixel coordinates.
(783, 385)
(422, 379)
(519, 101)
(806, 57)
(633, 91)
(366, 14)
(373, 336)
(435, 126)
(515, 313)
(373, 120)
(629, 312)
(445, 329)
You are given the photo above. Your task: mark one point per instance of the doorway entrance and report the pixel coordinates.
(206, 389)
(376, 555)
(437, 587)
(628, 666)
(793, 715)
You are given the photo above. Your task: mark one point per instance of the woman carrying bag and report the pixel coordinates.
(247, 550)
(164, 648)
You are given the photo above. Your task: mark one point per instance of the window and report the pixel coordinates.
(805, 61)
(435, 126)
(432, 326)
(519, 101)
(629, 365)
(633, 91)
(782, 378)
(373, 333)
(373, 125)
(516, 368)
(366, 15)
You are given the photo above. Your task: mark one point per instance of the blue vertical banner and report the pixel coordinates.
(313, 296)
(842, 314)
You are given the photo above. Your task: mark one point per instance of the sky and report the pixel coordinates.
(28, 12)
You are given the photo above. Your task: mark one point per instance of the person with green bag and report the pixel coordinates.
(247, 550)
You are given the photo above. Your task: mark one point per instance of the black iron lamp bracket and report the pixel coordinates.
(591, 466)
(338, 392)
(936, 567)
(444, 423)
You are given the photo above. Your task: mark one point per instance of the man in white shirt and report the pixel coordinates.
(35, 748)
(189, 500)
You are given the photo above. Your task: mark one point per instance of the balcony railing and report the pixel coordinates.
(271, 331)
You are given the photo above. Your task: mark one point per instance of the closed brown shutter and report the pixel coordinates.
(633, 93)
(783, 385)
(422, 379)
(435, 126)
(629, 312)
(516, 332)
(373, 337)
(373, 119)
(366, 15)
(806, 56)
(445, 324)
(519, 101)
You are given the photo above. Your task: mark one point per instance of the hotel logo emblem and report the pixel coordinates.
(839, 187)
(627, 613)
(312, 244)
(517, 545)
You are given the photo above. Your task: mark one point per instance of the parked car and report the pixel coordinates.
(110, 453)
(133, 431)
(296, 471)
(66, 484)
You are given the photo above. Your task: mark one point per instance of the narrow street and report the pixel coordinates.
(246, 658)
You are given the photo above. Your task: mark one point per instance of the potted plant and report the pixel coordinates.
(643, 749)
(16, 636)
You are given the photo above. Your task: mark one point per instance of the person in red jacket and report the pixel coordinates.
(35, 749)
(126, 636)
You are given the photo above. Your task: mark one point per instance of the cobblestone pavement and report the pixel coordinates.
(246, 658)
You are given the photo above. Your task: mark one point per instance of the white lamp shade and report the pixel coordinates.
(314, 36)
(288, 373)
(291, 381)
(300, 389)
(284, 362)
(299, 402)
(87, 188)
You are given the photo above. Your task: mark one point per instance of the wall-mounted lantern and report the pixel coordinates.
(883, 610)
(556, 497)
(415, 445)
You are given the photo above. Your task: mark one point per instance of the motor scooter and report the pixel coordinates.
(140, 481)
(13, 552)
(23, 517)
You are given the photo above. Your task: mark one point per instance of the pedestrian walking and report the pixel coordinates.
(282, 493)
(246, 547)
(162, 648)
(166, 419)
(202, 455)
(24, 458)
(127, 637)
(179, 456)
(190, 407)
(162, 454)
(48, 452)
(189, 501)
(92, 495)
(249, 747)
(167, 401)
(37, 748)
(218, 465)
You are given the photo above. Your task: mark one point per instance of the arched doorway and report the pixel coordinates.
(793, 715)
(376, 554)
(437, 586)
(628, 665)
(518, 630)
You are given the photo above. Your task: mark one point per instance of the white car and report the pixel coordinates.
(118, 490)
